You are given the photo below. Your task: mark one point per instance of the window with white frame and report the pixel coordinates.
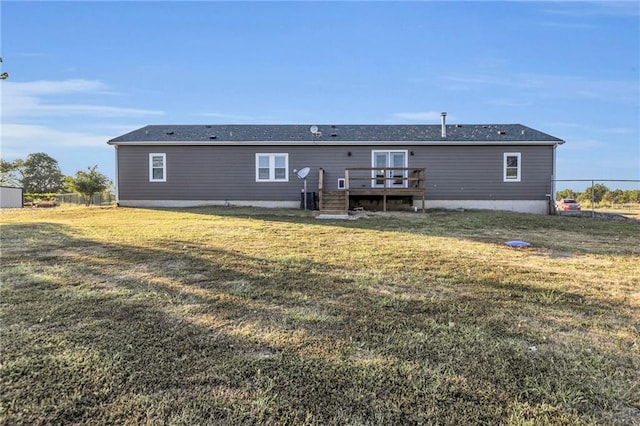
(157, 167)
(511, 167)
(272, 167)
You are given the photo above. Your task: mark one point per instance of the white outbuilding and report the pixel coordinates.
(10, 197)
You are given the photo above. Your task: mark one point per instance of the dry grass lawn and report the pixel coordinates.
(249, 316)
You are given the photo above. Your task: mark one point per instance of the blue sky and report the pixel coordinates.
(82, 73)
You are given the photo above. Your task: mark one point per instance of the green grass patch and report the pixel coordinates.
(239, 315)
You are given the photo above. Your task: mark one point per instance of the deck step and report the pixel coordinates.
(333, 202)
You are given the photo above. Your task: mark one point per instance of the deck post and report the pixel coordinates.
(320, 187)
(424, 186)
(384, 193)
(346, 189)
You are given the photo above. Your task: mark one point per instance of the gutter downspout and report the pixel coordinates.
(553, 177)
(552, 198)
(115, 181)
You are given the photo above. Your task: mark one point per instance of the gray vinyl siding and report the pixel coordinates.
(210, 172)
(476, 172)
(218, 172)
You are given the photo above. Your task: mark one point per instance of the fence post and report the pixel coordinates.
(593, 200)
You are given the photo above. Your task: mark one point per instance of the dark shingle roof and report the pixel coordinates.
(343, 133)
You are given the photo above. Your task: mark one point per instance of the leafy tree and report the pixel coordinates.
(69, 184)
(602, 194)
(90, 182)
(598, 192)
(41, 174)
(11, 172)
(633, 196)
(614, 197)
(565, 193)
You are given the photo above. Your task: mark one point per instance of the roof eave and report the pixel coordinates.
(332, 143)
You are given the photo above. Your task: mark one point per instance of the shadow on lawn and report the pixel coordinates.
(185, 334)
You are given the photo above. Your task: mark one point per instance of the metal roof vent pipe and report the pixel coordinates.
(444, 124)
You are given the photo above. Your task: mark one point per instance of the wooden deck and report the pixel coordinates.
(375, 182)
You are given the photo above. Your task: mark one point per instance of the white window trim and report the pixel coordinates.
(164, 166)
(272, 167)
(505, 178)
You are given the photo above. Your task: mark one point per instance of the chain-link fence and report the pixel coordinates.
(598, 197)
(102, 199)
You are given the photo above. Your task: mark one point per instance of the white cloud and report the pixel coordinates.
(95, 110)
(628, 9)
(477, 79)
(73, 149)
(582, 145)
(549, 86)
(226, 118)
(18, 140)
(29, 99)
(568, 25)
(565, 124)
(584, 128)
(43, 87)
(71, 120)
(223, 116)
(618, 130)
(508, 103)
(418, 116)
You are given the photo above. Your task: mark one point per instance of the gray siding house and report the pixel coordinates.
(495, 166)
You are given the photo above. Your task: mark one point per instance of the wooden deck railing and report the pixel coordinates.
(385, 178)
(384, 182)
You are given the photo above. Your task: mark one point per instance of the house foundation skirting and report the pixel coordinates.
(202, 203)
(520, 206)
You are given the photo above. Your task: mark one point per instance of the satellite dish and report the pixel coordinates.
(303, 173)
(313, 129)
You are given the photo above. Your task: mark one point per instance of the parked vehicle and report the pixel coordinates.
(568, 204)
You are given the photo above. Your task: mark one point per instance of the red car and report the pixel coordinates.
(568, 204)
